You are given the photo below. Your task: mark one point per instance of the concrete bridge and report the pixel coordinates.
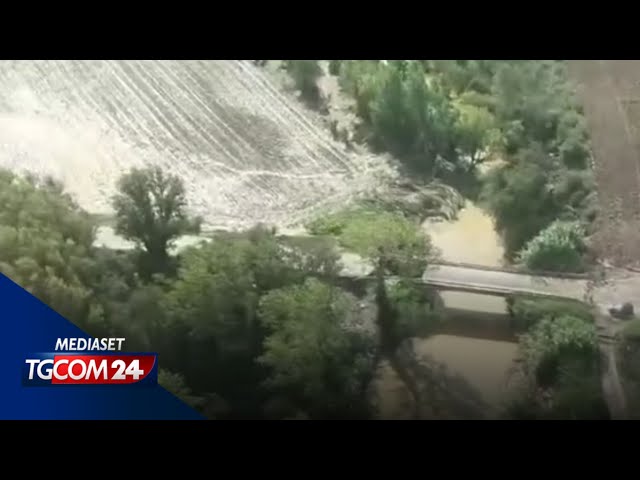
(503, 283)
(484, 280)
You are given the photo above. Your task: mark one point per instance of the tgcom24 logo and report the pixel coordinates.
(90, 361)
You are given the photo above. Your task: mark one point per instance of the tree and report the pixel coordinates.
(312, 353)
(413, 119)
(305, 74)
(46, 245)
(520, 197)
(561, 372)
(477, 132)
(390, 241)
(533, 191)
(151, 210)
(175, 383)
(213, 305)
(534, 103)
(416, 312)
(360, 79)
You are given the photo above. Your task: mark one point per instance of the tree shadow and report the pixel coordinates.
(439, 393)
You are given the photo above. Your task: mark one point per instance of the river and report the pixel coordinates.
(475, 341)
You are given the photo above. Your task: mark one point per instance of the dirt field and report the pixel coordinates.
(247, 151)
(610, 93)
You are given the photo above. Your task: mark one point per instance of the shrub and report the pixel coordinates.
(526, 312)
(552, 344)
(335, 223)
(334, 67)
(305, 74)
(416, 317)
(559, 247)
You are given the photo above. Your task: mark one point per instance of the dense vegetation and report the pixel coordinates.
(444, 118)
(247, 325)
(305, 75)
(254, 325)
(559, 375)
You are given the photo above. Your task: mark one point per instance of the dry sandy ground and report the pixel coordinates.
(247, 151)
(610, 93)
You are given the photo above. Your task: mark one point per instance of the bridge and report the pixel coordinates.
(484, 280)
(503, 283)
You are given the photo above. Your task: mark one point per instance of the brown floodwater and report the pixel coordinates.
(475, 342)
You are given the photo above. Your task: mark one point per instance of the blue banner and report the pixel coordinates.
(91, 385)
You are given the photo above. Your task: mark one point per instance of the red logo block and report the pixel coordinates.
(101, 369)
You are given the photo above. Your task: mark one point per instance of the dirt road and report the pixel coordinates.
(610, 93)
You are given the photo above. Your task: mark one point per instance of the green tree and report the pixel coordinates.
(390, 241)
(175, 383)
(413, 119)
(360, 79)
(521, 199)
(535, 103)
(416, 312)
(305, 74)
(151, 211)
(533, 191)
(46, 245)
(560, 369)
(477, 133)
(311, 351)
(213, 308)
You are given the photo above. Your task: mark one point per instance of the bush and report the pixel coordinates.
(552, 344)
(526, 312)
(175, 383)
(334, 67)
(305, 74)
(560, 247)
(416, 317)
(578, 396)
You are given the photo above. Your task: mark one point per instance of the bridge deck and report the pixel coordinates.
(503, 283)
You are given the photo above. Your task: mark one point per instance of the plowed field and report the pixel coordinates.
(246, 151)
(610, 93)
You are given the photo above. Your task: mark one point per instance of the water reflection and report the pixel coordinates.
(475, 344)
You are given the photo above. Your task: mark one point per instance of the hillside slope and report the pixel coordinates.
(246, 151)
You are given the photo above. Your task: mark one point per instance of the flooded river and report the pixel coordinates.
(475, 342)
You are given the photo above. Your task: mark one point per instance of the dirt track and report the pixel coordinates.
(610, 93)
(246, 151)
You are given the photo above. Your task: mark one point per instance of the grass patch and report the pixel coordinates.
(334, 224)
(413, 201)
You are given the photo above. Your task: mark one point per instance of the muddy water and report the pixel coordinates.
(475, 341)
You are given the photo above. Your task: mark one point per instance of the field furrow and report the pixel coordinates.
(246, 151)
